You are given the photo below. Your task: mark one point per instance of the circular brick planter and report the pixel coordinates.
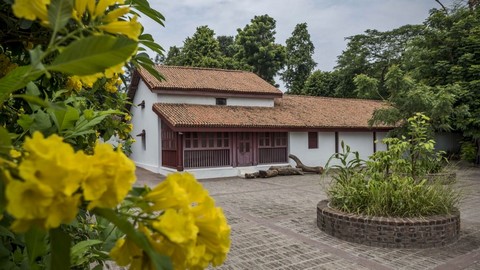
(424, 232)
(443, 178)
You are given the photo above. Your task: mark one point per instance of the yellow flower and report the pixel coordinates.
(31, 9)
(132, 28)
(51, 173)
(110, 177)
(73, 83)
(178, 191)
(128, 117)
(15, 154)
(178, 227)
(125, 252)
(52, 162)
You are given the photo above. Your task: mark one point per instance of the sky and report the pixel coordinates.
(329, 21)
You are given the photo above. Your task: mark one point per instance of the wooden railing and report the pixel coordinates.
(206, 158)
(272, 155)
(169, 158)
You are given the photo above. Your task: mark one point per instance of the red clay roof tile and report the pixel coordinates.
(290, 112)
(209, 80)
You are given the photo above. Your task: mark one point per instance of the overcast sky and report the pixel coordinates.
(329, 21)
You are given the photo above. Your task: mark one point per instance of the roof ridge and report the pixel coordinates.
(335, 98)
(206, 68)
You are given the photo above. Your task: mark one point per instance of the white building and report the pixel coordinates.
(220, 123)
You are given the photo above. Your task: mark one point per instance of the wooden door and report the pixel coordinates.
(244, 149)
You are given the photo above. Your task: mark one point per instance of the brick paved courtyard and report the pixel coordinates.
(273, 227)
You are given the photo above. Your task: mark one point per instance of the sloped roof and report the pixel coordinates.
(209, 80)
(289, 112)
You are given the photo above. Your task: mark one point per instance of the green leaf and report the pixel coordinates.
(78, 250)
(25, 121)
(147, 40)
(33, 101)
(60, 250)
(93, 54)
(145, 62)
(16, 79)
(5, 141)
(41, 121)
(159, 261)
(59, 12)
(36, 246)
(65, 118)
(144, 7)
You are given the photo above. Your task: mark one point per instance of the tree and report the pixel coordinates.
(299, 62)
(372, 54)
(202, 49)
(448, 54)
(227, 45)
(173, 57)
(408, 97)
(321, 83)
(257, 48)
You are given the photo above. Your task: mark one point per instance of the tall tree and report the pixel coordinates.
(174, 57)
(448, 53)
(372, 53)
(299, 62)
(202, 49)
(257, 48)
(227, 45)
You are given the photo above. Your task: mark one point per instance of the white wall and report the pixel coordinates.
(203, 100)
(148, 157)
(298, 144)
(380, 136)
(358, 141)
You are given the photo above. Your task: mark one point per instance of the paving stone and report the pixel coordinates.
(274, 227)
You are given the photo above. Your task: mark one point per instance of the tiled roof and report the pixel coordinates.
(290, 112)
(209, 80)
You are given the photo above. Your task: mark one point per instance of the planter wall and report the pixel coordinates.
(425, 232)
(443, 178)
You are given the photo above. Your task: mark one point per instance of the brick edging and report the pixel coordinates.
(424, 232)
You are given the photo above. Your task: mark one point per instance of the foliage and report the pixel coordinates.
(407, 97)
(447, 54)
(321, 83)
(468, 151)
(299, 62)
(257, 49)
(66, 199)
(392, 182)
(372, 54)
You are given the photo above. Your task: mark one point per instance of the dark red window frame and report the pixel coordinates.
(312, 140)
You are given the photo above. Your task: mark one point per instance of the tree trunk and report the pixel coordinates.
(317, 169)
(252, 175)
(268, 174)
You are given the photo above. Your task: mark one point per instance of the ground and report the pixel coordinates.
(274, 227)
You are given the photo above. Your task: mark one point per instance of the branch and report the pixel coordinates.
(443, 7)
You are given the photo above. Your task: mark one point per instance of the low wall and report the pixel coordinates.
(425, 232)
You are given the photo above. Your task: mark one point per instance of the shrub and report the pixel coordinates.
(468, 151)
(392, 182)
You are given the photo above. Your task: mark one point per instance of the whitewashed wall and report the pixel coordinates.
(202, 100)
(298, 144)
(358, 141)
(148, 158)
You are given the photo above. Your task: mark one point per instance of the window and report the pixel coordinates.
(206, 140)
(312, 140)
(221, 101)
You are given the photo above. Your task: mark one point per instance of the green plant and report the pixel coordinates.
(392, 182)
(468, 151)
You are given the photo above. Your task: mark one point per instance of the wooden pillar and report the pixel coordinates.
(180, 151)
(255, 148)
(233, 148)
(336, 142)
(374, 142)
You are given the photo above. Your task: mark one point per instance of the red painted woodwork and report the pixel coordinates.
(312, 140)
(207, 158)
(244, 149)
(272, 147)
(272, 155)
(169, 147)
